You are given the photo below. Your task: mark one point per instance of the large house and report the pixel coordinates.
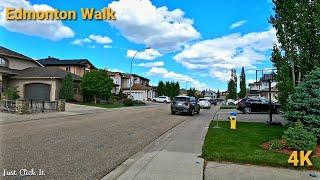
(32, 79)
(261, 87)
(75, 66)
(140, 87)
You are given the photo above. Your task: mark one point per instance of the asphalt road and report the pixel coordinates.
(82, 146)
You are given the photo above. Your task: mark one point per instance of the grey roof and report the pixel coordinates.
(51, 61)
(44, 72)
(10, 53)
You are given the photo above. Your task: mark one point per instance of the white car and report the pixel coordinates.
(204, 103)
(162, 99)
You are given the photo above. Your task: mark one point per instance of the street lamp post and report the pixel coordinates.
(131, 67)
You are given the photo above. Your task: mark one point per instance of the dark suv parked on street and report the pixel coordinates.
(258, 104)
(185, 104)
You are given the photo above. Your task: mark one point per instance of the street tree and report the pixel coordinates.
(96, 84)
(297, 52)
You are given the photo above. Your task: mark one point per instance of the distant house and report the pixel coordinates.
(261, 88)
(32, 79)
(209, 94)
(140, 87)
(75, 66)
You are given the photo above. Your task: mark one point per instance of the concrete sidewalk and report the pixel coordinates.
(175, 155)
(230, 171)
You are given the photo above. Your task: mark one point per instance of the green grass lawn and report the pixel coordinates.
(244, 145)
(104, 105)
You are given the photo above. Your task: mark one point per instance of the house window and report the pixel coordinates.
(3, 62)
(68, 68)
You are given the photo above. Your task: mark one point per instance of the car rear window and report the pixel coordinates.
(181, 99)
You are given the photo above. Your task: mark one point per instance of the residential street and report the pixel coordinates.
(85, 146)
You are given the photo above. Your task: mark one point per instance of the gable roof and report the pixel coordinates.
(43, 72)
(51, 61)
(10, 53)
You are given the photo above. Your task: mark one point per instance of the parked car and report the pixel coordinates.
(231, 102)
(258, 104)
(204, 103)
(162, 99)
(185, 104)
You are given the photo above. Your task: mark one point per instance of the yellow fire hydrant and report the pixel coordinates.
(233, 120)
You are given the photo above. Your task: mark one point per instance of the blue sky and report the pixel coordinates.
(193, 42)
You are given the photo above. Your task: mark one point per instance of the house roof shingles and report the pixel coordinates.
(10, 53)
(44, 72)
(51, 61)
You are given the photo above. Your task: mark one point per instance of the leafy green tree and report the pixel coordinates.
(218, 94)
(297, 25)
(11, 93)
(232, 85)
(96, 84)
(243, 86)
(192, 92)
(304, 103)
(161, 88)
(66, 91)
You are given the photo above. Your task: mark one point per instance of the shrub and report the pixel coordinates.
(128, 102)
(276, 145)
(304, 103)
(136, 102)
(11, 94)
(299, 138)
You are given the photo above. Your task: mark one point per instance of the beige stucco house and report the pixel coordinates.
(75, 66)
(32, 79)
(140, 88)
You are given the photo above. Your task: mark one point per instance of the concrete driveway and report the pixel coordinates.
(82, 146)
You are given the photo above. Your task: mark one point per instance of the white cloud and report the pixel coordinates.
(81, 41)
(164, 73)
(157, 27)
(148, 54)
(238, 24)
(115, 70)
(53, 30)
(100, 39)
(151, 64)
(219, 55)
(92, 38)
(107, 46)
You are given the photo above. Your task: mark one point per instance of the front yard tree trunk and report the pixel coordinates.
(95, 99)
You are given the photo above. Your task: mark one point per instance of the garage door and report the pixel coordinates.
(137, 96)
(38, 92)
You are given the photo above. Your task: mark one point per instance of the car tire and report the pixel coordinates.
(198, 112)
(247, 110)
(165, 102)
(173, 112)
(192, 112)
(154, 100)
(278, 110)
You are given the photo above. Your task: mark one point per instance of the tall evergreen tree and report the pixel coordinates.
(232, 85)
(243, 86)
(66, 91)
(161, 88)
